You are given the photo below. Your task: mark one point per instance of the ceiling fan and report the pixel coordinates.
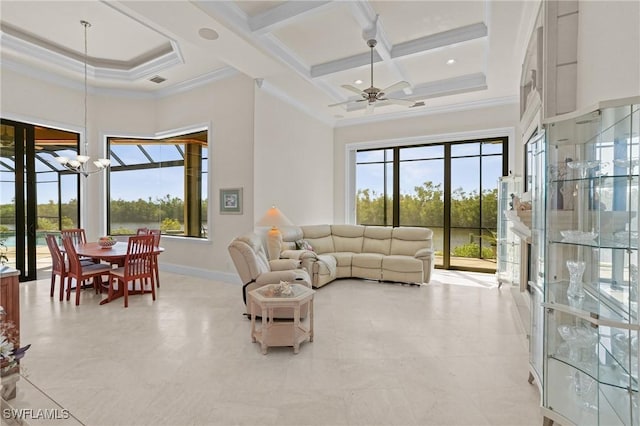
(373, 95)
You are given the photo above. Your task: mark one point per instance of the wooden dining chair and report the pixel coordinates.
(78, 236)
(58, 265)
(138, 266)
(81, 272)
(156, 243)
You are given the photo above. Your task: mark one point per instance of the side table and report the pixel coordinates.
(264, 300)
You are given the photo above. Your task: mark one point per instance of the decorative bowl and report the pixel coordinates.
(107, 242)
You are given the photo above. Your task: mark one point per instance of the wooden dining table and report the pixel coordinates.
(115, 254)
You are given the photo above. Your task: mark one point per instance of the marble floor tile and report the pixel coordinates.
(448, 353)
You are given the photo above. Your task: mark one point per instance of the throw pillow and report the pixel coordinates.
(303, 245)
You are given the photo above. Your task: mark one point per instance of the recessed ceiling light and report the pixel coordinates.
(451, 61)
(358, 81)
(208, 34)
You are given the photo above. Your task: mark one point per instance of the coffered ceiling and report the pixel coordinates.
(452, 53)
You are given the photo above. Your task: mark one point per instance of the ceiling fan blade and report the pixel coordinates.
(395, 87)
(341, 103)
(354, 89)
(404, 102)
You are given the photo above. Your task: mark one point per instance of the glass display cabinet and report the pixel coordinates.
(589, 266)
(536, 174)
(507, 242)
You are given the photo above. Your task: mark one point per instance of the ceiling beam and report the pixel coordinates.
(343, 64)
(271, 19)
(435, 41)
(372, 27)
(419, 45)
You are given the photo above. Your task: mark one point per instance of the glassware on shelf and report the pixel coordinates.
(576, 269)
(571, 235)
(580, 344)
(633, 283)
(627, 164)
(583, 166)
(625, 236)
(584, 388)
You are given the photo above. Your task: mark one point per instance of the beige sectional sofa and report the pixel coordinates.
(403, 254)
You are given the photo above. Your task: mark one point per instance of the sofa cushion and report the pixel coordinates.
(408, 240)
(377, 239)
(367, 260)
(347, 238)
(401, 263)
(343, 258)
(367, 266)
(319, 236)
(326, 265)
(289, 236)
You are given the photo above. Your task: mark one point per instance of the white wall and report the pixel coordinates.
(293, 162)
(36, 101)
(227, 106)
(470, 121)
(256, 141)
(608, 51)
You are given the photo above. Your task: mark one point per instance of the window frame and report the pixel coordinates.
(206, 216)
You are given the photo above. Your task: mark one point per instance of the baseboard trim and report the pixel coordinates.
(226, 277)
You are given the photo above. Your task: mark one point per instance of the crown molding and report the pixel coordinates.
(276, 92)
(210, 77)
(496, 132)
(38, 50)
(58, 80)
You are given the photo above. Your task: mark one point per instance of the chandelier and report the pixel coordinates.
(81, 164)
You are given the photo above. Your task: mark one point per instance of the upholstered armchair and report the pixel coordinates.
(255, 270)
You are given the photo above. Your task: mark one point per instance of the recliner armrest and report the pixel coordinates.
(298, 254)
(284, 264)
(424, 253)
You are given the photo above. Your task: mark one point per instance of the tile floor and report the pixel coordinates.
(449, 353)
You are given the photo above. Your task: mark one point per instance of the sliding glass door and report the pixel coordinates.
(36, 195)
(449, 187)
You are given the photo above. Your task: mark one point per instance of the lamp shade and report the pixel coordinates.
(274, 218)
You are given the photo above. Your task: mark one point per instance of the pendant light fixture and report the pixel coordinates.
(81, 163)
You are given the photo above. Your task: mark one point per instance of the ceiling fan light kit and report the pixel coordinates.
(372, 95)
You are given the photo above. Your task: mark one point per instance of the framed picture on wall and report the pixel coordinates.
(231, 201)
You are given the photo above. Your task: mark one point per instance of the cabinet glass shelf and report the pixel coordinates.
(614, 305)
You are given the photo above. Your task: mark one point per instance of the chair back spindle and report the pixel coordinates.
(77, 235)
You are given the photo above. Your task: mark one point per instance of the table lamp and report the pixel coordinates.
(275, 219)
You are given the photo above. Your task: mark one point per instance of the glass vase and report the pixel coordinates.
(576, 269)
